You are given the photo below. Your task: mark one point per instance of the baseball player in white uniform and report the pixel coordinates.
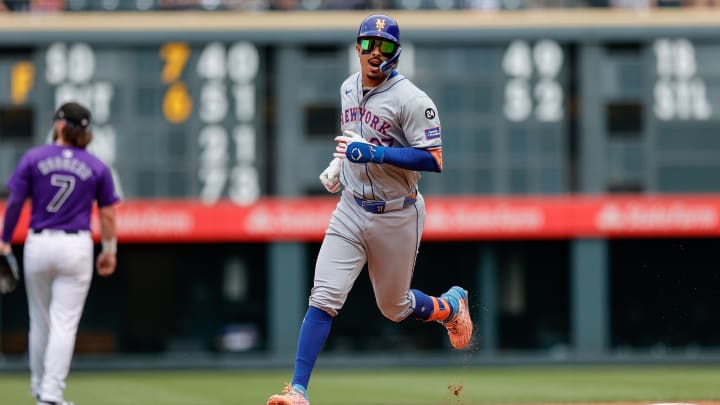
(62, 180)
(391, 132)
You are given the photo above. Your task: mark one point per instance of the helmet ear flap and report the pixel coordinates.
(391, 64)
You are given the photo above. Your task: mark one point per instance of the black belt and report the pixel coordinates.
(379, 207)
(71, 232)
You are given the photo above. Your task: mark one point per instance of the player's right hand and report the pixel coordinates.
(330, 177)
(5, 248)
(344, 140)
(106, 263)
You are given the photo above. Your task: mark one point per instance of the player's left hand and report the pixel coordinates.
(344, 140)
(330, 177)
(106, 263)
(9, 272)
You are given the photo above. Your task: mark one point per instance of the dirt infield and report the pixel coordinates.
(636, 403)
(461, 402)
(457, 399)
(629, 403)
(456, 394)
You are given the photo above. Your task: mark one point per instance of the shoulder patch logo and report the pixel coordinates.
(429, 113)
(432, 133)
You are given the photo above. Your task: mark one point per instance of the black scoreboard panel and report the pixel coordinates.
(660, 101)
(686, 114)
(505, 117)
(622, 106)
(173, 119)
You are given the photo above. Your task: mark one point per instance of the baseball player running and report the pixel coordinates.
(62, 180)
(391, 132)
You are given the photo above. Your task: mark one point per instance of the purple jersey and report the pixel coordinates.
(62, 183)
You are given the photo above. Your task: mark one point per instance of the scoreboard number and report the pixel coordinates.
(524, 96)
(22, 79)
(75, 64)
(679, 93)
(229, 75)
(175, 55)
(213, 169)
(177, 102)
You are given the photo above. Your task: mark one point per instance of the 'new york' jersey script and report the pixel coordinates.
(63, 182)
(395, 114)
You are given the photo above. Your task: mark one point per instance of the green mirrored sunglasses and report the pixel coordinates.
(387, 48)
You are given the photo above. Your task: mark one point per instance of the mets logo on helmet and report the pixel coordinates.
(380, 24)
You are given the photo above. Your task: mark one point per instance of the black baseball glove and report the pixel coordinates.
(9, 273)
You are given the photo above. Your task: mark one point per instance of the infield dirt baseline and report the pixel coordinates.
(629, 403)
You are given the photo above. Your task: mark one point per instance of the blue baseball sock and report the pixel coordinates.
(313, 334)
(429, 308)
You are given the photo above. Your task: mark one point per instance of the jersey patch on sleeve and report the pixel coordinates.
(432, 133)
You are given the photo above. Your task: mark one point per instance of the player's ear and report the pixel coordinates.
(57, 129)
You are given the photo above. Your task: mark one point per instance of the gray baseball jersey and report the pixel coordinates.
(394, 114)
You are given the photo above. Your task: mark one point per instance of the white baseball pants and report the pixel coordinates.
(58, 270)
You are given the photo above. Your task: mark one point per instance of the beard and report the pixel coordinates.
(373, 72)
(375, 76)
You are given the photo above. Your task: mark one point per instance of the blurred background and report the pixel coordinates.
(580, 201)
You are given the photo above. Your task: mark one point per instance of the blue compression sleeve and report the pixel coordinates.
(405, 158)
(411, 159)
(313, 334)
(12, 215)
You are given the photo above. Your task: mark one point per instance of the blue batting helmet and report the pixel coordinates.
(380, 25)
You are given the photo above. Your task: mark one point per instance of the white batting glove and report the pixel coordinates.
(344, 140)
(330, 177)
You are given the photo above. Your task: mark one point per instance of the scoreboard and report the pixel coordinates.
(172, 120)
(241, 106)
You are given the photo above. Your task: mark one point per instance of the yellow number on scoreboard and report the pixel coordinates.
(22, 78)
(175, 55)
(177, 103)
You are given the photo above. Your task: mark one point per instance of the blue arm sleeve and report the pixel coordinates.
(404, 158)
(12, 215)
(411, 159)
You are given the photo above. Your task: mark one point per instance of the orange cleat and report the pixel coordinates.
(459, 325)
(292, 395)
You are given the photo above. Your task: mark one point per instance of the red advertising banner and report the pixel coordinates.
(449, 218)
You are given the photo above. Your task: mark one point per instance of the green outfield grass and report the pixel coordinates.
(486, 385)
